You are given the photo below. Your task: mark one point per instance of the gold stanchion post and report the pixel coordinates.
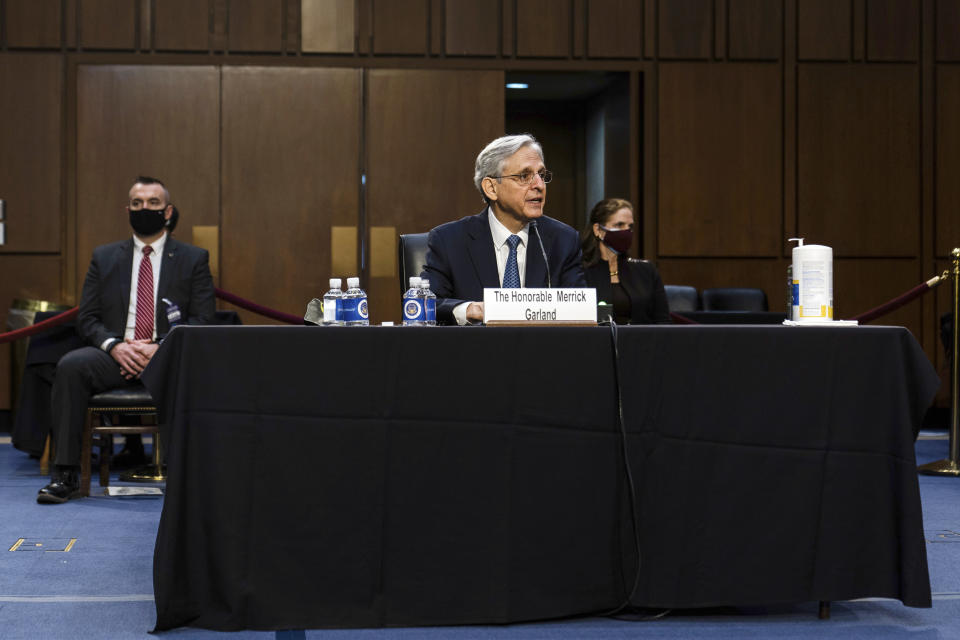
(951, 466)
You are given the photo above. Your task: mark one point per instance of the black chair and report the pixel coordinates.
(735, 299)
(106, 414)
(412, 255)
(682, 298)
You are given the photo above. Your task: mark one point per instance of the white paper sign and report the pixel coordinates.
(540, 306)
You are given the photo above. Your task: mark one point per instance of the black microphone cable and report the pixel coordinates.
(546, 263)
(632, 491)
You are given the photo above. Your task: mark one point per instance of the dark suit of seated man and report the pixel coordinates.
(499, 246)
(132, 290)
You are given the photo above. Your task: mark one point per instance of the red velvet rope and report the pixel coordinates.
(896, 303)
(256, 308)
(677, 318)
(39, 327)
(681, 319)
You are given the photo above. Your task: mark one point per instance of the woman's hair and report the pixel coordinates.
(601, 212)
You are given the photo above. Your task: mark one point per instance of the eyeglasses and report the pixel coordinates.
(526, 178)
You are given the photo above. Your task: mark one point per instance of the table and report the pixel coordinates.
(371, 476)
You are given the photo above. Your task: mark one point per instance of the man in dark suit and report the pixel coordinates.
(133, 292)
(500, 245)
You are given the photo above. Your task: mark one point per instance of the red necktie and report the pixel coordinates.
(144, 328)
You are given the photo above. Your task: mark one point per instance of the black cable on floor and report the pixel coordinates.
(625, 607)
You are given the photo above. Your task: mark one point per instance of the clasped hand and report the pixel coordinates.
(133, 356)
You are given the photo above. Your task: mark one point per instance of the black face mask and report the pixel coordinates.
(147, 222)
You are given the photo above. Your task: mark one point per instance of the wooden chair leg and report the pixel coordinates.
(106, 452)
(86, 449)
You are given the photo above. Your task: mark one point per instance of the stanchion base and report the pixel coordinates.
(146, 473)
(940, 468)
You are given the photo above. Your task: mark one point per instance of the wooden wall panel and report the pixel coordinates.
(144, 120)
(947, 221)
(37, 278)
(33, 24)
(31, 148)
(767, 274)
(756, 29)
(471, 28)
(893, 30)
(720, 159)
(823, 30)
(291, 140)
(858, 158)
(255, 25)
(182, 25)
(328, 26)
(685, 28)
(400, 27)
(948, 30)
(420, 154)
(544, 28)
(614, 29)
(108, 24)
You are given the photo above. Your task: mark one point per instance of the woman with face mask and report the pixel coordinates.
(632, 286)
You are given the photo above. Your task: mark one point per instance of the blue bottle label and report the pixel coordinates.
(431, 310)
(349, 308)
(413, 311)
(354, 309)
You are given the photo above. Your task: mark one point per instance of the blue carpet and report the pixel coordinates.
(102, 587)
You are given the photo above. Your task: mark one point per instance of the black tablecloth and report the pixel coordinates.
(326, 477)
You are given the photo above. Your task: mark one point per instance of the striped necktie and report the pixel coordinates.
(144, 327)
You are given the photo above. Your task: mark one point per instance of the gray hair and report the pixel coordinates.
(494, 155)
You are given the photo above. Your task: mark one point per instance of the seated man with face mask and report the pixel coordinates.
(132, 290)
(632, 286)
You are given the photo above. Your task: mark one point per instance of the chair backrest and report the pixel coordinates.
(412, 255)
(735, 299)
(682, 298)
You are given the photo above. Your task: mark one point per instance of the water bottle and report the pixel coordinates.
(333, 304)
(429, 303)
(355, 304)
(413, 310)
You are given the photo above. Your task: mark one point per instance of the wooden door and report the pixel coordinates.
(424, 130)
(290, 183)
(159, 121)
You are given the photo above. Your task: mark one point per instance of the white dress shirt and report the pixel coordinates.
(155, 261)
(502, 251)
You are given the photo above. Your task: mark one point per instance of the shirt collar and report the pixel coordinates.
(156, 245)
(500, 233)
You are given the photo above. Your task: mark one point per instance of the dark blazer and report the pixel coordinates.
(184, 279)
(641, 281)
(461, 261)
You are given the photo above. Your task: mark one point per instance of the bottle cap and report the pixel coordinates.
(414, 281)
(334, 283)
(353, 283)
(424, 283)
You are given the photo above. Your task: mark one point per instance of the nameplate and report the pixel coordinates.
(540, 307)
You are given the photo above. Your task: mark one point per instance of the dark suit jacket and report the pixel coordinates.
(184, 279)
(641, 281)
(461, 261)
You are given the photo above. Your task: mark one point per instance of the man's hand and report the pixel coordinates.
(133, 356)
(475, 312)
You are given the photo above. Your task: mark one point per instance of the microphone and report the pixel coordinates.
(546, 262)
